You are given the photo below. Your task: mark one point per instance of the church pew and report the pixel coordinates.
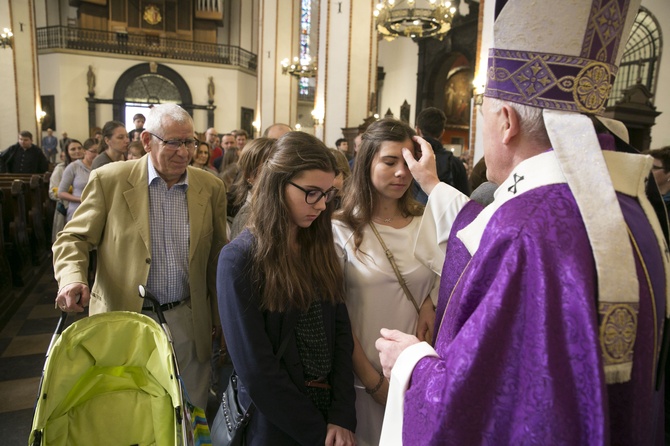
(16, 241)
(34, 205)
(48, 205)
(6, 286)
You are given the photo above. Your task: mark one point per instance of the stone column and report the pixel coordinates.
(19, 74)
(277, 93)
(347, 65)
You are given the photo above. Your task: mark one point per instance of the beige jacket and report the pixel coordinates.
(114, 218)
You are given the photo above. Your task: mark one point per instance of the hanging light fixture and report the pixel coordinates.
(414, 19)
(6, 38)
(299, 68)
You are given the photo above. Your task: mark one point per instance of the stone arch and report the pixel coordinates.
(162, 84)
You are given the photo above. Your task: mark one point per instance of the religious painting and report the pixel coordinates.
(48, 107)
(246, 120)
(457, 94)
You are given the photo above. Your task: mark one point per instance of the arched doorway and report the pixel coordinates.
(150, 83)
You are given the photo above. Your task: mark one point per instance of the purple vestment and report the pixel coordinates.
(519, 351)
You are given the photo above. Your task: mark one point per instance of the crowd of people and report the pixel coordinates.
(416, 307)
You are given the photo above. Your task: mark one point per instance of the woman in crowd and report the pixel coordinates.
(73, 152)
(250, 163)
(379, 199)
(661, 171)
(342, 178)
(200, 159)
(114, 144)
(230, 157)
(76, 176)
(281, 280)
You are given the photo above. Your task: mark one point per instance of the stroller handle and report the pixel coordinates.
(145, 293)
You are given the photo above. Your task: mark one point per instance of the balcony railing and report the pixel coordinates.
(63, 37)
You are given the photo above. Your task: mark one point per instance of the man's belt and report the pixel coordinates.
(165, 307)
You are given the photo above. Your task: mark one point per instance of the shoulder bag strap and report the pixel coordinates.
(401, 280)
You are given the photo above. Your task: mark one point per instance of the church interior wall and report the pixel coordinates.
(332, 82)
(399, 59)
(23, 57)
(9, 123)
(64, 77)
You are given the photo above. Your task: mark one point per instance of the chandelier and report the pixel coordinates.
(431, 18)
(6, 38)
(299, 68)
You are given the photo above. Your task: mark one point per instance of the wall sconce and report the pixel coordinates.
(6, 38)
(318, 116)
(41, 114)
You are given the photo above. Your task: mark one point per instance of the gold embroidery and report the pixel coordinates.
(533, 78)
(592, 87)
(617, 332)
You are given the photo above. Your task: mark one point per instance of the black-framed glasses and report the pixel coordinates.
(655, 167)
(175, 144)
(313, 196)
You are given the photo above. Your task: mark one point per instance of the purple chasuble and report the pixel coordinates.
(520, 360)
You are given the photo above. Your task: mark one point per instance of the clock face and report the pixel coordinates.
(152, 15)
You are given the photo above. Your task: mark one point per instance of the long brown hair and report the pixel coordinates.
(361, 197)
(290, 278)
(253, 156)
(108, 132)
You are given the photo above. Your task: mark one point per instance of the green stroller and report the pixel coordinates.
(112, 379)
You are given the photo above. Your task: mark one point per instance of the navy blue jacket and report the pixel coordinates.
(284, 413)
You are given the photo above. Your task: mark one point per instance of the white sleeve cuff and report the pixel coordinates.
(400, 377)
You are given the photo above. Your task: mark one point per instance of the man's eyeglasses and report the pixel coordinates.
(313, 196)
(175, 144)
(655, 167)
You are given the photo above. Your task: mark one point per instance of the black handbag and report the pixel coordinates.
(230, 424)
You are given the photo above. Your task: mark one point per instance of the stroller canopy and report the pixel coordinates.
(109, 379)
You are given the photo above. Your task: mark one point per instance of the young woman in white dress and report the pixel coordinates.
(379, 196)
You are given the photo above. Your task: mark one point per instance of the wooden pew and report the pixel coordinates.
(6, 286)
(16, 241)
(48, 206)
(34, 205)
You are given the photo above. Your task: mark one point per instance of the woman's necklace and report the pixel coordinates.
(385, 220)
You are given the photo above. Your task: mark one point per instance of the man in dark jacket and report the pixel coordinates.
(23, 157)
(430, 126)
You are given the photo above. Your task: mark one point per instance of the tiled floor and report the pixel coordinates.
(23, 344)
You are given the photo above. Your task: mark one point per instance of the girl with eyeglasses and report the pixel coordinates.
(379, 214)
(281, 279)
(660, 169)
